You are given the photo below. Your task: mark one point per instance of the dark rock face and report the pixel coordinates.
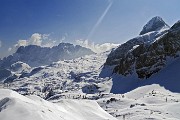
(156, 23)
(147, 59)
(117, 55)
(36, 56)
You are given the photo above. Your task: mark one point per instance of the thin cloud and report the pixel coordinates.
(100, 19)
(9, 49)
(98, 48)
(21, 43)
(0, 43)
(35, 39)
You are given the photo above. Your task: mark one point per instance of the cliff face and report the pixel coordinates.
(148, 59)
(153, 33)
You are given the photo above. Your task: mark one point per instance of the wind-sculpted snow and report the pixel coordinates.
(17, 107)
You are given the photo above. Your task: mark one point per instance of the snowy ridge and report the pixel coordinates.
(15, 106)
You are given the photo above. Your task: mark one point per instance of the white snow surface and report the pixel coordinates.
(67, 78)
(14, 106)
(150, 102)
(80, 75)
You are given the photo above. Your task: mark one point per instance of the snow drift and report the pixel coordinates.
(14, 106)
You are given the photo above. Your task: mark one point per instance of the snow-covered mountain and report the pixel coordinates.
(37, 56)
(155, 24)
(133, 63)
(146, 60)
(149, 37)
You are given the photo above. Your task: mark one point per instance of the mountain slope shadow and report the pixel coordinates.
(167, 78)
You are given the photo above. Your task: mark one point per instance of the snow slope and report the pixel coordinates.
(150, 102)
(168, 77)
(14, 106)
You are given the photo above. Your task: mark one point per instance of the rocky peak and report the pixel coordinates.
(155, 24)
(148, 59)
(176, 26)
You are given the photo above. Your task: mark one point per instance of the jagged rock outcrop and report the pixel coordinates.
(118, 54)
(148, 59)
(155, 24)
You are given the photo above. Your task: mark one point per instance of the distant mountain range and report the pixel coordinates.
(36, 56)
(33, 56)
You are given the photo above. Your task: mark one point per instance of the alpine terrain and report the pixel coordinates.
(137, 80)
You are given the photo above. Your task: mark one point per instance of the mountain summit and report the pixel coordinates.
(155, 24)
(143, 57)
(154, 29)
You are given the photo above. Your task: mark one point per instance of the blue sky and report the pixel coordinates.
(71, 20)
